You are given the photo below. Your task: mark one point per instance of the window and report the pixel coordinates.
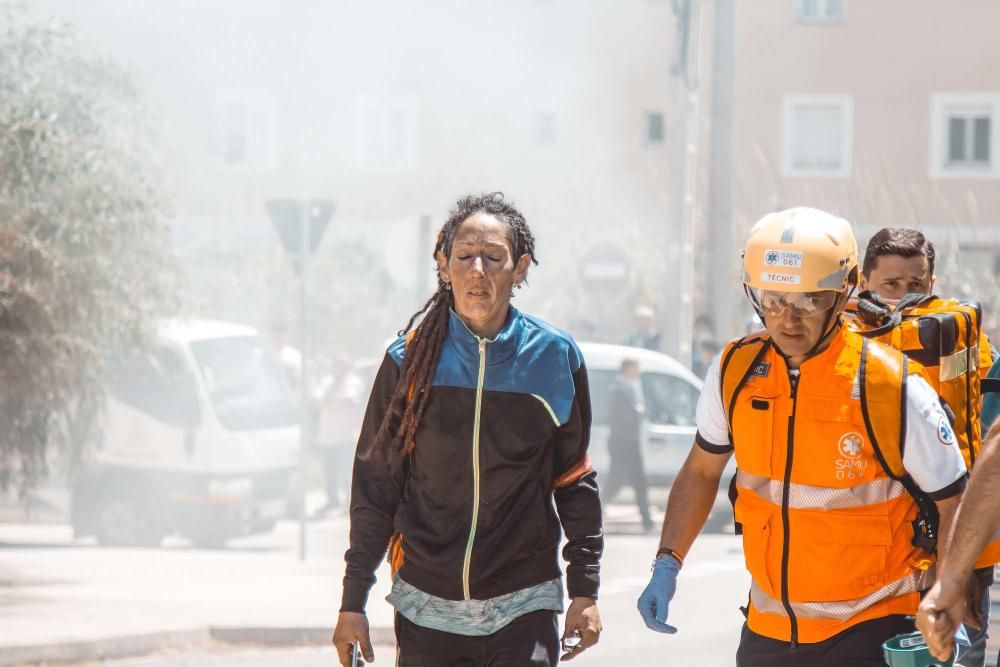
(819, 11)
(817, 136)
(670, 400)
(654, 127)
(246, 134)
(159, 384)
(385, 132)
(245, 383)
(963, 135)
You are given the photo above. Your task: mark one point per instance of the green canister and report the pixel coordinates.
(910, 650)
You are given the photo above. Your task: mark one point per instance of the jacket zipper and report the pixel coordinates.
(475, 468)
(790, 452)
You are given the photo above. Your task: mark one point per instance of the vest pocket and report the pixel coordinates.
(761, 537)
(836, 555)
(839, 454)
(753, 430)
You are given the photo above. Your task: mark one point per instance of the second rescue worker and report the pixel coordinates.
(832, 480)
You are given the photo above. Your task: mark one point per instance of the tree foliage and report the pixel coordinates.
(85, 266)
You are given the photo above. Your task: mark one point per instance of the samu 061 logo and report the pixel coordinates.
(851, 445)
(851, 465)
(789, 259)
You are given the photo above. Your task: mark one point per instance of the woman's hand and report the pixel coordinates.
(352, 627)
(582, 617)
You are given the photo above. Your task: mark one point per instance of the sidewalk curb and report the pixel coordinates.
(97, 649)
(270, 636)
(110, 648)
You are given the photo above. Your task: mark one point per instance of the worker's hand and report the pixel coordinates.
(582, 618)
(352, 627)
(940, 615)
(655, 600)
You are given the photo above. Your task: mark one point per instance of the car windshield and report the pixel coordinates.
(245, 383)
(670, 400)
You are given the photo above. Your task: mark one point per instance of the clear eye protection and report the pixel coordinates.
(772, 303)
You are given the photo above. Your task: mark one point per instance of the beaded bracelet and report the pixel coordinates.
(667, 551)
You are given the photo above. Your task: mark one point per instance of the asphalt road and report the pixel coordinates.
(705, 610)
(712, 586)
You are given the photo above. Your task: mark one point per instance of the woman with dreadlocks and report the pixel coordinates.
(479, 418)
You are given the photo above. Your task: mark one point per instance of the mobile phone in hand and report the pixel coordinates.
(357, 660)
(570, 642)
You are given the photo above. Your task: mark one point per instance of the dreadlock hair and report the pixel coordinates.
(424, 343)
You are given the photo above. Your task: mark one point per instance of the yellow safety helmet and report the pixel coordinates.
(800, 250)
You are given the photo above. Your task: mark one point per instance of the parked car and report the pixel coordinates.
(200, 436)
(670, 394)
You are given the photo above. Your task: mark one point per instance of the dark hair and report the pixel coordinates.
(424, 342)
(897, 241)
(627, 363)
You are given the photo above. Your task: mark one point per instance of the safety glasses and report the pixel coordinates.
(797, 304)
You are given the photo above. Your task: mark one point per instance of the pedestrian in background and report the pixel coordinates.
(625, 414)
(646, 334)
(705, 351)
(472, 452)
(340, 402)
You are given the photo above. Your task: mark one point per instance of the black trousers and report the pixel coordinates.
(858, 646)
(529, 641)
(627, 469)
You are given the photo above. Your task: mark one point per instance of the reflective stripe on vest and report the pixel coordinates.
(805, 496)
(835, 545)
(816, 621)
(844, 610)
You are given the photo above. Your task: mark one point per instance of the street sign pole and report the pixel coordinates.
(306, 423)
(300, 225)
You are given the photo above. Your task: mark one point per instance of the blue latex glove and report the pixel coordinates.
(655, 600)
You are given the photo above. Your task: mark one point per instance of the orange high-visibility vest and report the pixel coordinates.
(827, 526)
(946, 337)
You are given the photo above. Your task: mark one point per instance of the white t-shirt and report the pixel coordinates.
(930, 455)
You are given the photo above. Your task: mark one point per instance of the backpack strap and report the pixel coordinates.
(741, 359)
(874, 311)
(740, 362)
(880, 403)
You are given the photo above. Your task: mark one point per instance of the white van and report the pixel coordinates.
(670, 394)
(200, 436)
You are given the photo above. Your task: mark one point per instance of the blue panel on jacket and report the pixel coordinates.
(528, 356)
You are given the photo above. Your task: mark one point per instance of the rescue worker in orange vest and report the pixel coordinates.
(900, 261)
(836, 490)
